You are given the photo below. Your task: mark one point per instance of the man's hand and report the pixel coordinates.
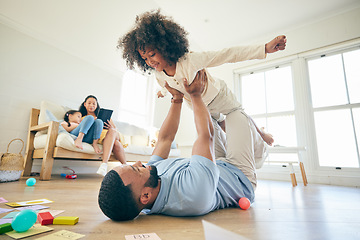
(278, 43)
(198, 85)
(174, 92)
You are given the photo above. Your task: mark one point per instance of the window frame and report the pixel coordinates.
(304, 114)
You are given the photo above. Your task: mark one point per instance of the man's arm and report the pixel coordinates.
(203, 145)
(170, 125)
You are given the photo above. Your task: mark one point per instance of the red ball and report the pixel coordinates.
(244, 203)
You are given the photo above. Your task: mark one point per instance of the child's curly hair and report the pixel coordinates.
(155, 30)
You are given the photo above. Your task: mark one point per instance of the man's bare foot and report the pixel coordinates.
(96, 148)
(78, 143)
(267, 137)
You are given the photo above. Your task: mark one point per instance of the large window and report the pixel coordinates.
(335, 94)
(313, 102)
(136, 101)
(267, 96)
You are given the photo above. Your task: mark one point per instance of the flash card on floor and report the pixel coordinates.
(4, 210)
(32, 207)
(27, 203)
(3, 200)
(147, 236)
(63, 234)
(36, 229)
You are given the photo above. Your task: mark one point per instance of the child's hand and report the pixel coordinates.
(198, 85)
(174, 92)
(278, 43)
(160, 95)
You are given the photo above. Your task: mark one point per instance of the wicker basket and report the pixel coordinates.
(11, 164)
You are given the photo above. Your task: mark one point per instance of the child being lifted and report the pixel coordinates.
(158, 43)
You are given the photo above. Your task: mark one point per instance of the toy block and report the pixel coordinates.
(45, 218)
(66, 220)
(6, 227)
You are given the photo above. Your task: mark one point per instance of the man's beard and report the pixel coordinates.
(153, 181)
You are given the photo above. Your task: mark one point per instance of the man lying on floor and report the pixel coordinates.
(217, 175)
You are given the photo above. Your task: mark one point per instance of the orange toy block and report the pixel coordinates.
(45, 218)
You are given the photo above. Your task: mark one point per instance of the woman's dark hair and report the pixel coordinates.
(83, 110)
(66, 116)
(157, 31)
(116, 200)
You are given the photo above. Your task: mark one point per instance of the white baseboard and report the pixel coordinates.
(84, 167)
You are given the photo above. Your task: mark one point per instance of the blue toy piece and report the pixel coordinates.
(24, 220)
(31, 182)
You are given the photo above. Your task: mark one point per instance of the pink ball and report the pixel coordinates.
(244, 203)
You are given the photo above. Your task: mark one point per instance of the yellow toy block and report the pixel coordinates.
(66, 220)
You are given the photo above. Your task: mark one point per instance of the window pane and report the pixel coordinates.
(253, 93)
(133, 119)
(335, 139)
(352, 70)
(327, 81)
(356, 114)
(279, 90)
(283, 129)
(134, 92)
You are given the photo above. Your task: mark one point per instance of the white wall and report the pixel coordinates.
(326, 32)
(32, 71)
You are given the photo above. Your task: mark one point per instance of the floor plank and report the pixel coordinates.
(279, 212)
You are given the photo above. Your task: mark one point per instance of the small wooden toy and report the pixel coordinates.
(66, 220)
(45, 218)
(24, 220)
(6, 227)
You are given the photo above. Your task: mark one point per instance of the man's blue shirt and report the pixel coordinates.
(196, 186)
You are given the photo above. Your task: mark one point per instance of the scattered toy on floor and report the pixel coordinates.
(69, 176)
(45, 218)
(24, 220)
(244, 203)
(31, 182)
(6, 227)
(65, 220)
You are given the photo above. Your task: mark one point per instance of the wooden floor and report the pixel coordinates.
(280, 212)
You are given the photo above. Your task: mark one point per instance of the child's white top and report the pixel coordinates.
(191, 63)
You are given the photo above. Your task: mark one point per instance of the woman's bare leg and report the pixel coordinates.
(119, 152)
(108, 144)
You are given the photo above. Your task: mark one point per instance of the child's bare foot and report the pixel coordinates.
(96, 148)
(78, 143)
(267, 137)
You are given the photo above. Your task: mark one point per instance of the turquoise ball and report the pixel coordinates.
(31, 182)
(24, 220)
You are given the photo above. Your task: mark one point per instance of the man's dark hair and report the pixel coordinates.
(152, 29)
(116, 200)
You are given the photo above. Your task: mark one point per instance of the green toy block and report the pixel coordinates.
(6, 227)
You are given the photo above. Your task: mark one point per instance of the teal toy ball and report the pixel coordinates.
(31, 182)
(24, 220)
